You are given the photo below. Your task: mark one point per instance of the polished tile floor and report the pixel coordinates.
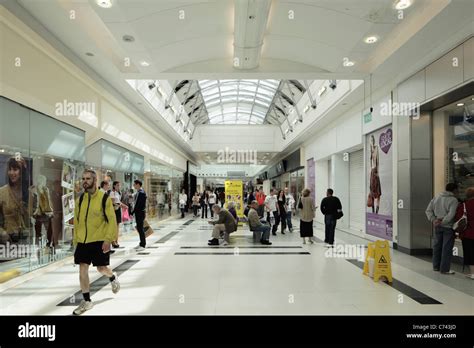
(179, 274)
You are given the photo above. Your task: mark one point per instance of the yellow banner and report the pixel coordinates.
(234, 192)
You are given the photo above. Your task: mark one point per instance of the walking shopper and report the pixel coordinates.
(225, 223)
(222, 198)
(212, 201)
(260, 197)
(467, 236)
(139, 213)
(203, 201)
(94, 230)
(441, 212)
(330, 207)
(282, 210)
(256, 225)
(105, 187)
(271, 207)
(118, 205)
(183, 199)
(290, 206)
(307, 207)
(196, 204)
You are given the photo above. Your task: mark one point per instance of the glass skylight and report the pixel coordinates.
(238, 101)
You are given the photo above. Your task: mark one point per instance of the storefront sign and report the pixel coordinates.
(379, 221)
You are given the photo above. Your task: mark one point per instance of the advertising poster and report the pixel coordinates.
(68, 175)
(234, 193)
(68, 206)
(379, 183)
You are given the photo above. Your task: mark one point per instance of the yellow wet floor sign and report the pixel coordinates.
(380, 252)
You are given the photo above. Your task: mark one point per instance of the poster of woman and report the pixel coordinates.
(379, 183)
(68, 206)
(68, 175)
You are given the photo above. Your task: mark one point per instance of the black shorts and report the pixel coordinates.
(118, 215)
(91, 252)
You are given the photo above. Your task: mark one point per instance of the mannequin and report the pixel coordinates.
(43, 211)
(14, 222)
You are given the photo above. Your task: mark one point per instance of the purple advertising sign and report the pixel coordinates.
(379, 184)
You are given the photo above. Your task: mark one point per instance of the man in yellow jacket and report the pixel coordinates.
(94, 231)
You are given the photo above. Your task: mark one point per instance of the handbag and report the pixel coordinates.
(147, 229)
(370, 200)
(300, 204)
(460, 225)
(339, 214)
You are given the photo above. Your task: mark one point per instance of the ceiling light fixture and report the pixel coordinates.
(403, 4)
(144, 63)
(2, 150)
(321, 90)
(371, 39)
(52, 160)
(104, 3)
(128, 38)
(89, 54)
(348, 63)
(460, 104)
(305, 110)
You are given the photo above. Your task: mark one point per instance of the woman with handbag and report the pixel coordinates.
(465, 211)
(118, 205)
(306, 204)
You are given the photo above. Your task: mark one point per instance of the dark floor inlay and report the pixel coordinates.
(143, 253)
(243, 247)
(414, 294)
(97, 284)
(167, 237)
(246, 253)
(188, 222)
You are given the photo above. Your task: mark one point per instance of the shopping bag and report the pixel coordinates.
(147, 228)
(125, 215)
(370, 201)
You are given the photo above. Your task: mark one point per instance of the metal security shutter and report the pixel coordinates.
(356, 191)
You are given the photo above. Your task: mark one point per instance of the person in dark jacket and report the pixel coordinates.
(139, 212)
(204, 201)
(467, 236)
(330, 207)
(226, 223)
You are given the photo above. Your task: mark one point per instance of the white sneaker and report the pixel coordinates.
(139, 248)
(83, 307)
(470, 276)
(225, 243)
(448, 272)
(115, 284)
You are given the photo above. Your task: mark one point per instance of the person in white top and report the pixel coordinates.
(212, 201)
(183, 199)
(290, 206)
(118, 205)
(271, 207)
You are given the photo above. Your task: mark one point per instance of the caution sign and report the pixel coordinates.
(378, 262)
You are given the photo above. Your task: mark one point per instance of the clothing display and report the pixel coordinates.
(14, 219)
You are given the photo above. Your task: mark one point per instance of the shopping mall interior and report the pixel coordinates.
(211, 105)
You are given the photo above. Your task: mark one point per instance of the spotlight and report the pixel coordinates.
(332, 84)
(151, 86)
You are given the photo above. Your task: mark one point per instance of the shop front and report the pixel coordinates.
(39, 161)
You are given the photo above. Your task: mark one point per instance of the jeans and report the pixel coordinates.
(195, 209)
(277, 221)
(264, 229)
(330, 229)
(443, 248)
(210, 208)
(139, 218)
(182, 212)
(203, 210)
(288, 220)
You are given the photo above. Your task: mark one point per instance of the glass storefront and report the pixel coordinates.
(162, 185)
(38, 184)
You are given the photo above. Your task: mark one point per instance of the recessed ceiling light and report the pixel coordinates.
(104, 3)
(348, 63)
(52, 159)
(2, 150)
(371, 39)
(128, 38)
(403, 4)
(460, 104)
(144, 63)
(89, 54)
